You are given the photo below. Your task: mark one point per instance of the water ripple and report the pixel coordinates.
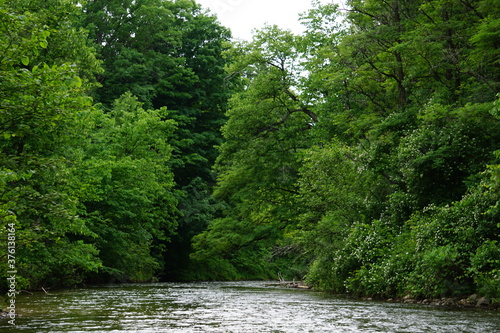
(231, 307)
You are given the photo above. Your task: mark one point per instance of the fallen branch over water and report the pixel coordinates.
(289, 284)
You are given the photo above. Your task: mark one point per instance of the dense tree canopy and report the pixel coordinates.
(367, 147)
(109, 112)
(43, 105)
(168, 54)
(138, 142)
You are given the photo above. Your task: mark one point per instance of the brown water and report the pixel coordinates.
(245, 307)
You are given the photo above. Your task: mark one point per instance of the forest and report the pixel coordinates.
(140, 142)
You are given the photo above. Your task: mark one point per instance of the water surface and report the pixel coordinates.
(245, 307)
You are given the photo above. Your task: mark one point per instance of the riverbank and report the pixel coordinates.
(472, 301)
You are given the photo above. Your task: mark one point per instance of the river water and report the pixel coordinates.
(246, 307)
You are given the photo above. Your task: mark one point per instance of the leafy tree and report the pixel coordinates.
(130, 205)
(407, 75)
(363, 153)
(336, 204)
(197, 208)
(169, 54)
(267, 128)
(43, 97)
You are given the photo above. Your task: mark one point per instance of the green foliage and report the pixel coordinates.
(197, 207)
(437, 273)
(43, 99)
(363, 155)
(267, 128)
(86, 192)
(387, 193)
(169, 54)
(232, 249)
(485, 269)
(131, 205)
(439, 161)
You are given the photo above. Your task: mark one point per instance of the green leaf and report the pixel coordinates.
(77, 81)
(25, 61)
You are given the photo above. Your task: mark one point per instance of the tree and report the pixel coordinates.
(400, 86)
(267, 128)
(130, 204)
(169, 54)
(43, 100)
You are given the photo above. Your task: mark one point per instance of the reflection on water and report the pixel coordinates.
(245, 307)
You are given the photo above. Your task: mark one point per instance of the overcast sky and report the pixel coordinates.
(241, 16)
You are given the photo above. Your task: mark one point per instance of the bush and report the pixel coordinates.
(438, 272)
(485, 269)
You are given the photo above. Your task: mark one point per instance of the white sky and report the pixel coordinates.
(242, 16)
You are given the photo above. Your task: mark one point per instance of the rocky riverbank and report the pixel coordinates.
(473, 301)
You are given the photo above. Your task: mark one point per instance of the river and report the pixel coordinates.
(246, 307)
